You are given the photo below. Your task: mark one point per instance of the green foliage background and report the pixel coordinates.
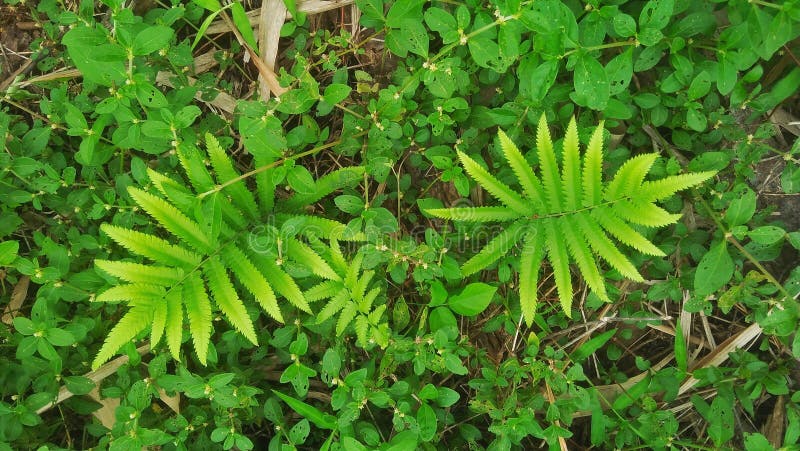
(332, 249)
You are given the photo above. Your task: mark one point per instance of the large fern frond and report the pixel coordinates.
(567, 214)
(210, 224)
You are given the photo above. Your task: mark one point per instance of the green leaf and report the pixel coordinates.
(741, 208)
(336, 92)
(592, 87)
(680, 347)
(59, 337)
(714, 270)
(242, 23)
(79, 385)
(308, 412)
(8, 252)
(700, 86)
(624, 25)
(767, 235)
(473, 299)
(151, 39)
(226, 298)
(416, 37)
(592, 345)
(301, 180)
(405, 10)
(426, 419)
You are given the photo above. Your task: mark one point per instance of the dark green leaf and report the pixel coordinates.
(591, 346)
(151, 39)
(473, 299)
(79, 385)
(714, 270)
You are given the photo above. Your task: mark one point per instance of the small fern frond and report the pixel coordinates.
(139, 273)
(527, 179)
(156, 249)
(172, 190)
(346, 317)
(172, 219)
(198, 311)
(629, 177)
(652, 191)
(223, 168)
(620, 230)
(324, 290)
(253, 280)
(336, 303)
(583, 257)
(191, 160)
(174, 323)
(362, 330)
(593, 169)
(159, 321)
(571, 168)
(132, 292)
(605, 248)
(303, 254)
(530, 262)
(227, 300)
(495, 187)
(494, 249)
(136, 320)
(551, 180)
(475, 214)
(281, 282)
(646, 214)
(559, 259)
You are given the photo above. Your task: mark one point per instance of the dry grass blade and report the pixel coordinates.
(271, 19)
(775, 425)
(308, 7)
(721, 353)
(18, 296)
(95, 376)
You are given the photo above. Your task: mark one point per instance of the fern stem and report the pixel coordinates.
(274, 164)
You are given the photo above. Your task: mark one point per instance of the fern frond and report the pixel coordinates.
(358, 289)
(593, 169)
(253, 280)
(132, 292)
(495, 187)
(139, 273)
(337, 257)
(223, 167)
(198, 310)
(530, 261)
(174, 323)
(324, 290)
(527, 179)
(625, 233)
(559, 259)
(325, 185)
(571, 168)
(227, 300)
(172, 190)
(475, 214)
(172, 219)
(366, 303)
(494, 249)
(336, 303)
(651, 191)
(645, 214)
(629, 177)
(191, 160)
(136, 320)
(156, 249)
(362, 330)
(353, 269)
(303, 254)
(579, 249)
(281, 282)
(319, 227)
(605, 248)
(551, 180)
(346, 317)
(159, 321)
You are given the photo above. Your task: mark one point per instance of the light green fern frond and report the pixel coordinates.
(567, 214)
(211, 249)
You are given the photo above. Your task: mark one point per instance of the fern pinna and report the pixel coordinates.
(567, 213)
(219, 229)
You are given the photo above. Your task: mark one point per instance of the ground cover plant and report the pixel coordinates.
(396, 225)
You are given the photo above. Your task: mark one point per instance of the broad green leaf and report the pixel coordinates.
(592, 88)
(336, 92)
(767, 235)
(741, 208)
(151, 39)
(8, 252)
(700, 86)
(242, 23)
(426, 419)
(714, 270)
(680, 350)
(473, 299)
(79, 385)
